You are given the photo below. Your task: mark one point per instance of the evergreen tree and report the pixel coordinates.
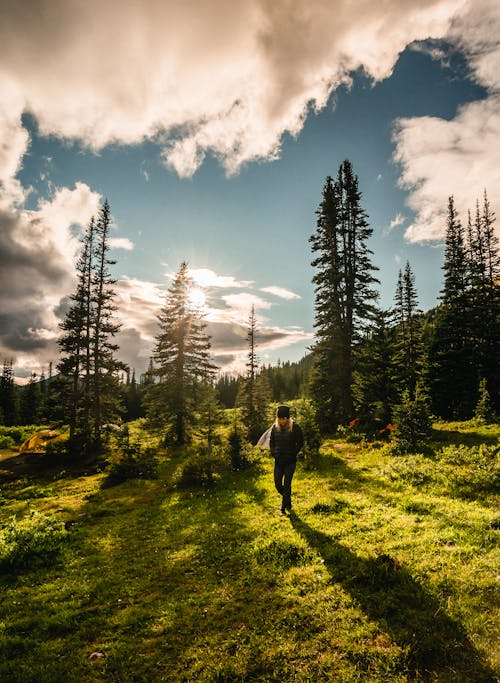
(182, 355)
(255, 393)
(74, 366)
(105, 366)
(484, 411)
(9, 403)
(374, 389)
(30, 403)
(450, 369)
(133, 400)
(408, 350)
(463, 344)
(485, 300)
(344, 295)
(227, 390)
(88, 366)
(209, 416)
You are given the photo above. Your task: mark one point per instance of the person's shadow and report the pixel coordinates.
(434, 643)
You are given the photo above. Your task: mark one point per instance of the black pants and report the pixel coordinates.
(283, 474)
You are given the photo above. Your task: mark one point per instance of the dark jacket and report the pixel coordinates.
(286, 444)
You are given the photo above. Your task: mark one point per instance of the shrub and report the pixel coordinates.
(414, 470)
(16, 434)
(131, 461)
(235, 450)
(484, 412)
(197, 471)
(6, 441)
(472, 469)
(31, 542)
(307, 419)
(413, 425)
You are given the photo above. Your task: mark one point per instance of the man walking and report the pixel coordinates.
(286, 440)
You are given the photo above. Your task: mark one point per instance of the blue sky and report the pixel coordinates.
(413, 107)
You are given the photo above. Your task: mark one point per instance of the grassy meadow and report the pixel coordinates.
(386, 570)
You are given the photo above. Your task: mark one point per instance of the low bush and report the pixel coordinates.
(134, 462)
(197, 471)
(471, 469)
(31, 542)
(130, 460)
(6, 441)
(413, 424)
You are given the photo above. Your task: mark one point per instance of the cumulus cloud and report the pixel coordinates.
(280, 292)
(459, 157)
(121, 243)
(205, 277)
(398, 220)
(139, 303)
(37, 250)
(220, 77)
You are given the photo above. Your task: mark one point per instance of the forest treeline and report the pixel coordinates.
(364, 364)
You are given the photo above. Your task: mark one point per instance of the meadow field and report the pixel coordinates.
(386, 570)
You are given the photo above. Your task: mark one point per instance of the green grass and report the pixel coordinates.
(386, 571)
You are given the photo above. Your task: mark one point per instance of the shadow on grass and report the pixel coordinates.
(435, 644)
(455, 437)
(42, 469)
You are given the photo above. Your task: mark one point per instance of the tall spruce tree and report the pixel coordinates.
(182, 361)
(88, 366)
(106, 367)
(408, 328)
(484, 301)
(9, 401)
(74, 365)
(463, 346)
(375, 390)
(30, 402)
(344, 295)
(450, 368)
(255, 394)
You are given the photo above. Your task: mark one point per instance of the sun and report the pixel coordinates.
(197, 298)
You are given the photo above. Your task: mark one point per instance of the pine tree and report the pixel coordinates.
(88, 366)
(255, 392)
(105, 366)
(408, 350)
(30, 403)
(449, 365)
(485, 300)
(9, 404)
(74, 366)
(344, 295)
(133, 400)
(463, 346)
(484, 412)
(374, 389)
(227, 390)
(182, 361)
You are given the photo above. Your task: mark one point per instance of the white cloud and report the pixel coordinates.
(398, 220)
(37, 251)
(139, 303)
(220, 77)
(239, 307)
(121, 243)
(205, 277)
(459, 157)
(280, 292)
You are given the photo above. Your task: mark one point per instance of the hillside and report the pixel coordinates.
(385, 571)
